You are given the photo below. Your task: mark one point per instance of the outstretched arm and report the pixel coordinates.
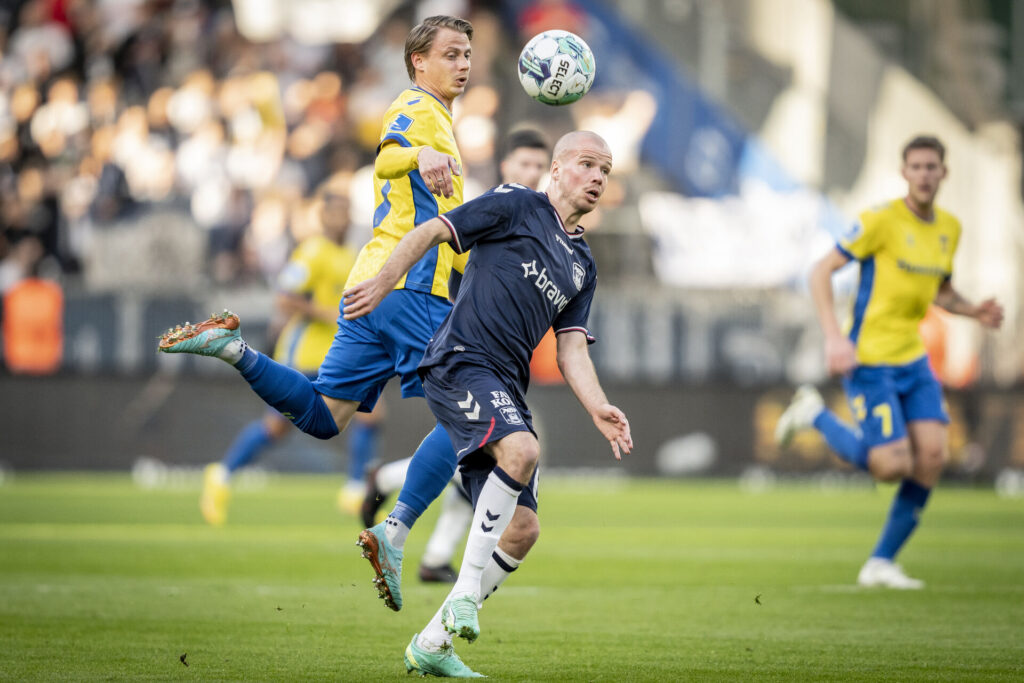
(436, 168)
(578, 370)
(365, 296)
(989, 312)
(840, 353)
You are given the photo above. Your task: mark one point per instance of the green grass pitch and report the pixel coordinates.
(631, 581)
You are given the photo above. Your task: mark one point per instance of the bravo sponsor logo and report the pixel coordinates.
(545, 284)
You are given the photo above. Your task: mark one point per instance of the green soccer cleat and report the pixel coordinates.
(444, 664)
(207, 338)
(459, 617)
(387, 564)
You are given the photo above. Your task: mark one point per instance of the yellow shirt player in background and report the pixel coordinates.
(309, 290)
(905, 249)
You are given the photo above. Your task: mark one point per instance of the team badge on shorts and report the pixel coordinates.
(511, 415)
(507, 408)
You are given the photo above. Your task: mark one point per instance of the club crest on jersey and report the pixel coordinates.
(577, 275)
(511, 415)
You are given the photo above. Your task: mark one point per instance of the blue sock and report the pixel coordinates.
(362, 447)
(432, 467)
(906, 508)
(289, 392)
(846, 442)
(246, 446)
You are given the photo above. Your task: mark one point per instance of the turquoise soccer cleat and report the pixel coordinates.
(387, 564)
(207, 338)
(444, 664)
(459, 617)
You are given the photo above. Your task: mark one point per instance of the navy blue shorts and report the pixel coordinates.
(368, 351)
(476, 408)
(884, 398)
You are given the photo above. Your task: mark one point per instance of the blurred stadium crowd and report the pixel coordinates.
(116, 110)
(176, 147)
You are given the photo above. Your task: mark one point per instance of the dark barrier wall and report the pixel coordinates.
(107, 422)
(643, 336)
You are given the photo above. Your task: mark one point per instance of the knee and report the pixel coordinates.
(891, 466)
(520, 463)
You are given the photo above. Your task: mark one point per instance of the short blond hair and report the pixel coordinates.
(421, 37)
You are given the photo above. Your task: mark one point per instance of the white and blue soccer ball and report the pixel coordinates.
(556, 67)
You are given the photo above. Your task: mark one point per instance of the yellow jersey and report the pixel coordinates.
(416, 119)
(317, 269)
(903, 261)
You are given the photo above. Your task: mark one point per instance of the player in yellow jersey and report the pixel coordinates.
(309, 290)
(416, 176)
(905, 249)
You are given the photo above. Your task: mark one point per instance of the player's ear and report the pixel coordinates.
(417, 59)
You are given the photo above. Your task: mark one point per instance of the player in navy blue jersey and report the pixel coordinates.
(526, 158)
(530, 270)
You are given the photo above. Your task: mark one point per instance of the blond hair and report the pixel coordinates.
(421, 37)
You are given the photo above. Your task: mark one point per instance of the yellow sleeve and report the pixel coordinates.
(297, 275)
(952, 251)
(459, 262)
(395, 161)
(865, 237)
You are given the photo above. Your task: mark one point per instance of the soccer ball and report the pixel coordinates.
(556, 67)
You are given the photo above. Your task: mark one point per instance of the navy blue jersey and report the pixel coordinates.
(526, 274)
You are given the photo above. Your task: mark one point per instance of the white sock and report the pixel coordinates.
(233, 351)
(494, 509)
(396, 532)
(499, 568)
(456, 514)
(390, 477)
(434, 636)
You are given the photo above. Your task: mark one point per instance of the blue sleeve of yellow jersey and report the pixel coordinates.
(864, 238)
(412, 125)
(398, 131)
